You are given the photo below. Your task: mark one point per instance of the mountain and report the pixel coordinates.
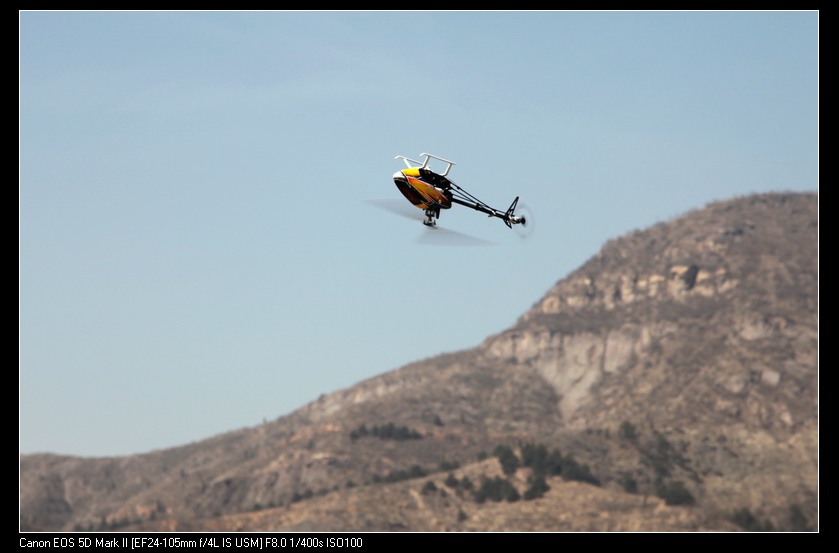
(668, 384)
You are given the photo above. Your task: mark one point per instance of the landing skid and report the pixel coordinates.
(430, 217)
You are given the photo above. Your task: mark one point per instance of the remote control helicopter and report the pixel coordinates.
(433, 192)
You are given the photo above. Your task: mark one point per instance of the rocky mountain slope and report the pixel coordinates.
(670, 383)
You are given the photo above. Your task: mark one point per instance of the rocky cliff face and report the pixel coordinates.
(704, 329)
(726, 296)
(678, 363)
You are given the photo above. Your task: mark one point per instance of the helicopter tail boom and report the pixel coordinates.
(509, 217)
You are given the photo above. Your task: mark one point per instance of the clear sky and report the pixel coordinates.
(197, 253)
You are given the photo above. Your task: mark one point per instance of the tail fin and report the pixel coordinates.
(510, 212)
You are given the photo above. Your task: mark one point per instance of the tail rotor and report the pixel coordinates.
(521, 222)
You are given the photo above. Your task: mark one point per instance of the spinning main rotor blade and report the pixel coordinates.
(432, 236)
(437, 236)
(398, 207)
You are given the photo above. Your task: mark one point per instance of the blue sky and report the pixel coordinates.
(197, 253)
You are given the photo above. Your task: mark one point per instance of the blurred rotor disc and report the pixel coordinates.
(524, 229)
(431, 236)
